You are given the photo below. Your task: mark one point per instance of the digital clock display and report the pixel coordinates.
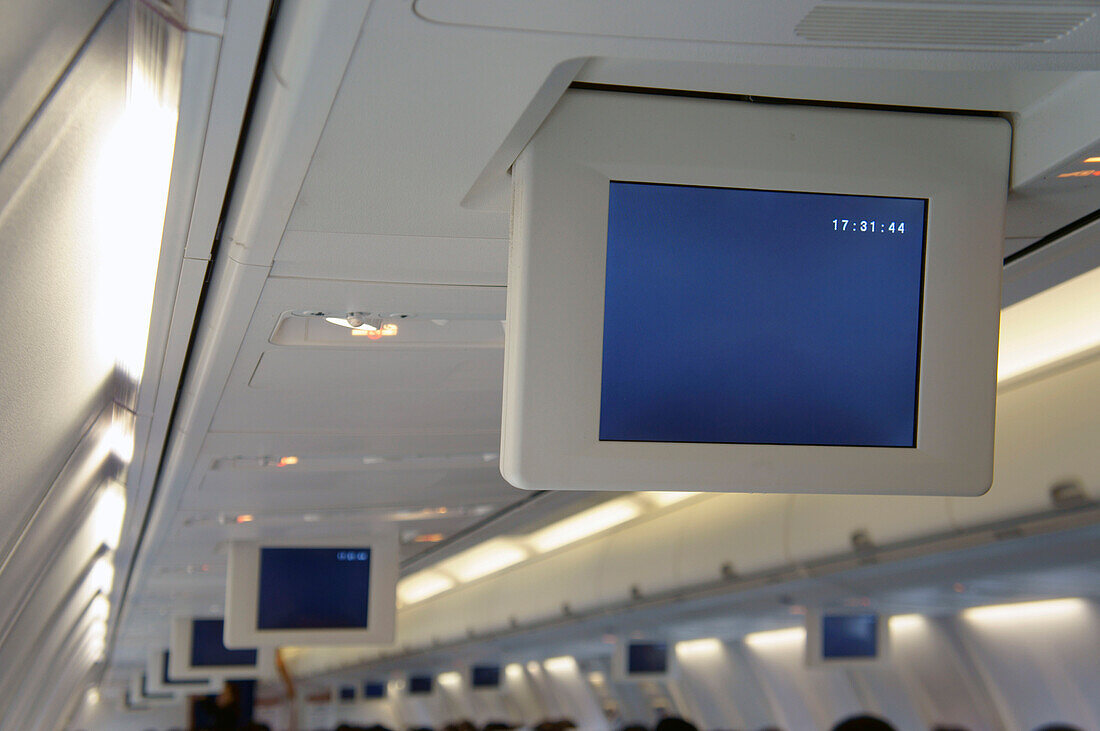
(761, 317)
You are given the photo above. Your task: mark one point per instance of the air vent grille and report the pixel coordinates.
(938, 26)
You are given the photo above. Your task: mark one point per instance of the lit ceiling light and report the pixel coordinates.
(596, 678)
(514, 671)
(1092, 159)
(562, 664)
(386, 331)
(776, 637)
(100, 608)
(245, 518)
(102, 575)
(487, 558)
(119, 439)
(584, 524)
(422, 585)
(664, 499)
(450, 679)
(533, 667)
(92, 696)
(109, 514)
(428, 538)
(1050, 326)
(289, 461)
(698, 648)
(905, 622)
(1026, 611)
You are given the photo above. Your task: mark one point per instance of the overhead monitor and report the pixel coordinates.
(160, 680)
(648, 659)
(844, 637)
(347, 694)
(374, 689)
(419, 685)
(484, 676)
(313, 592)
(733, 296)
(198, 651)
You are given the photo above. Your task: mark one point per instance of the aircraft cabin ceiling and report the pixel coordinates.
(344, 157)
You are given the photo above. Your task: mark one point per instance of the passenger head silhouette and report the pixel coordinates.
(863, 723)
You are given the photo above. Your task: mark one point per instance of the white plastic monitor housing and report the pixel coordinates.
(243, 584)
(137, 689)
(619, 666)
(179, 658)
(155, 672)
(814, 637)
(553, 350)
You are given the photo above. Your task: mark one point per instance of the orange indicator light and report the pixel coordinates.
(244, 519)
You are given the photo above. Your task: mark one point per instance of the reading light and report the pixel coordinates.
(1024, 611)
(485, 559)
(428, 538)
(664, 499)
(513, 671)
(450, 679)
(92, 696)
(287, 461)
(584, 524)
(1092, 159)
(102, 575)
(1050, 326)
(422, 585)
(596, 678)
(905, 622)
(387, 330)
(697, 648)
(109, 513)
(246, 518)
(533, 667)
(561, 664)
(362, 321)
(776, 637)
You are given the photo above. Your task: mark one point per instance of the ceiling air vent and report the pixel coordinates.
(931, 23)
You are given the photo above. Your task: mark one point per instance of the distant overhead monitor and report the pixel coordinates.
(374, 689)
(484, 676)
(644, 660)
(347, 694)
(198, 651)
(160, 680)
(844, 637)
(313, 592)
(732, 296)
(419, 685)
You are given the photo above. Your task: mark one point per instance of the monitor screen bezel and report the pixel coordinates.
(243, 582)
(179, 656)
(557, 267)
(815, 636)
(157, 670)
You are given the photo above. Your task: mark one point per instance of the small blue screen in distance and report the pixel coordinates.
(761, 317)
(849, 636)
(485, 676)
(208, 650)
(420, 684)
(313, 588)
(374, 689)
(647, 657)
(347, 692)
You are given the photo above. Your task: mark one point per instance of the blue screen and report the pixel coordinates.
(208, 650)
(761, 317)
(420, 684)
(647, 657)
(485, 676)
(372, 689)
(313, 588)
(849, 636)
(347, 693)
